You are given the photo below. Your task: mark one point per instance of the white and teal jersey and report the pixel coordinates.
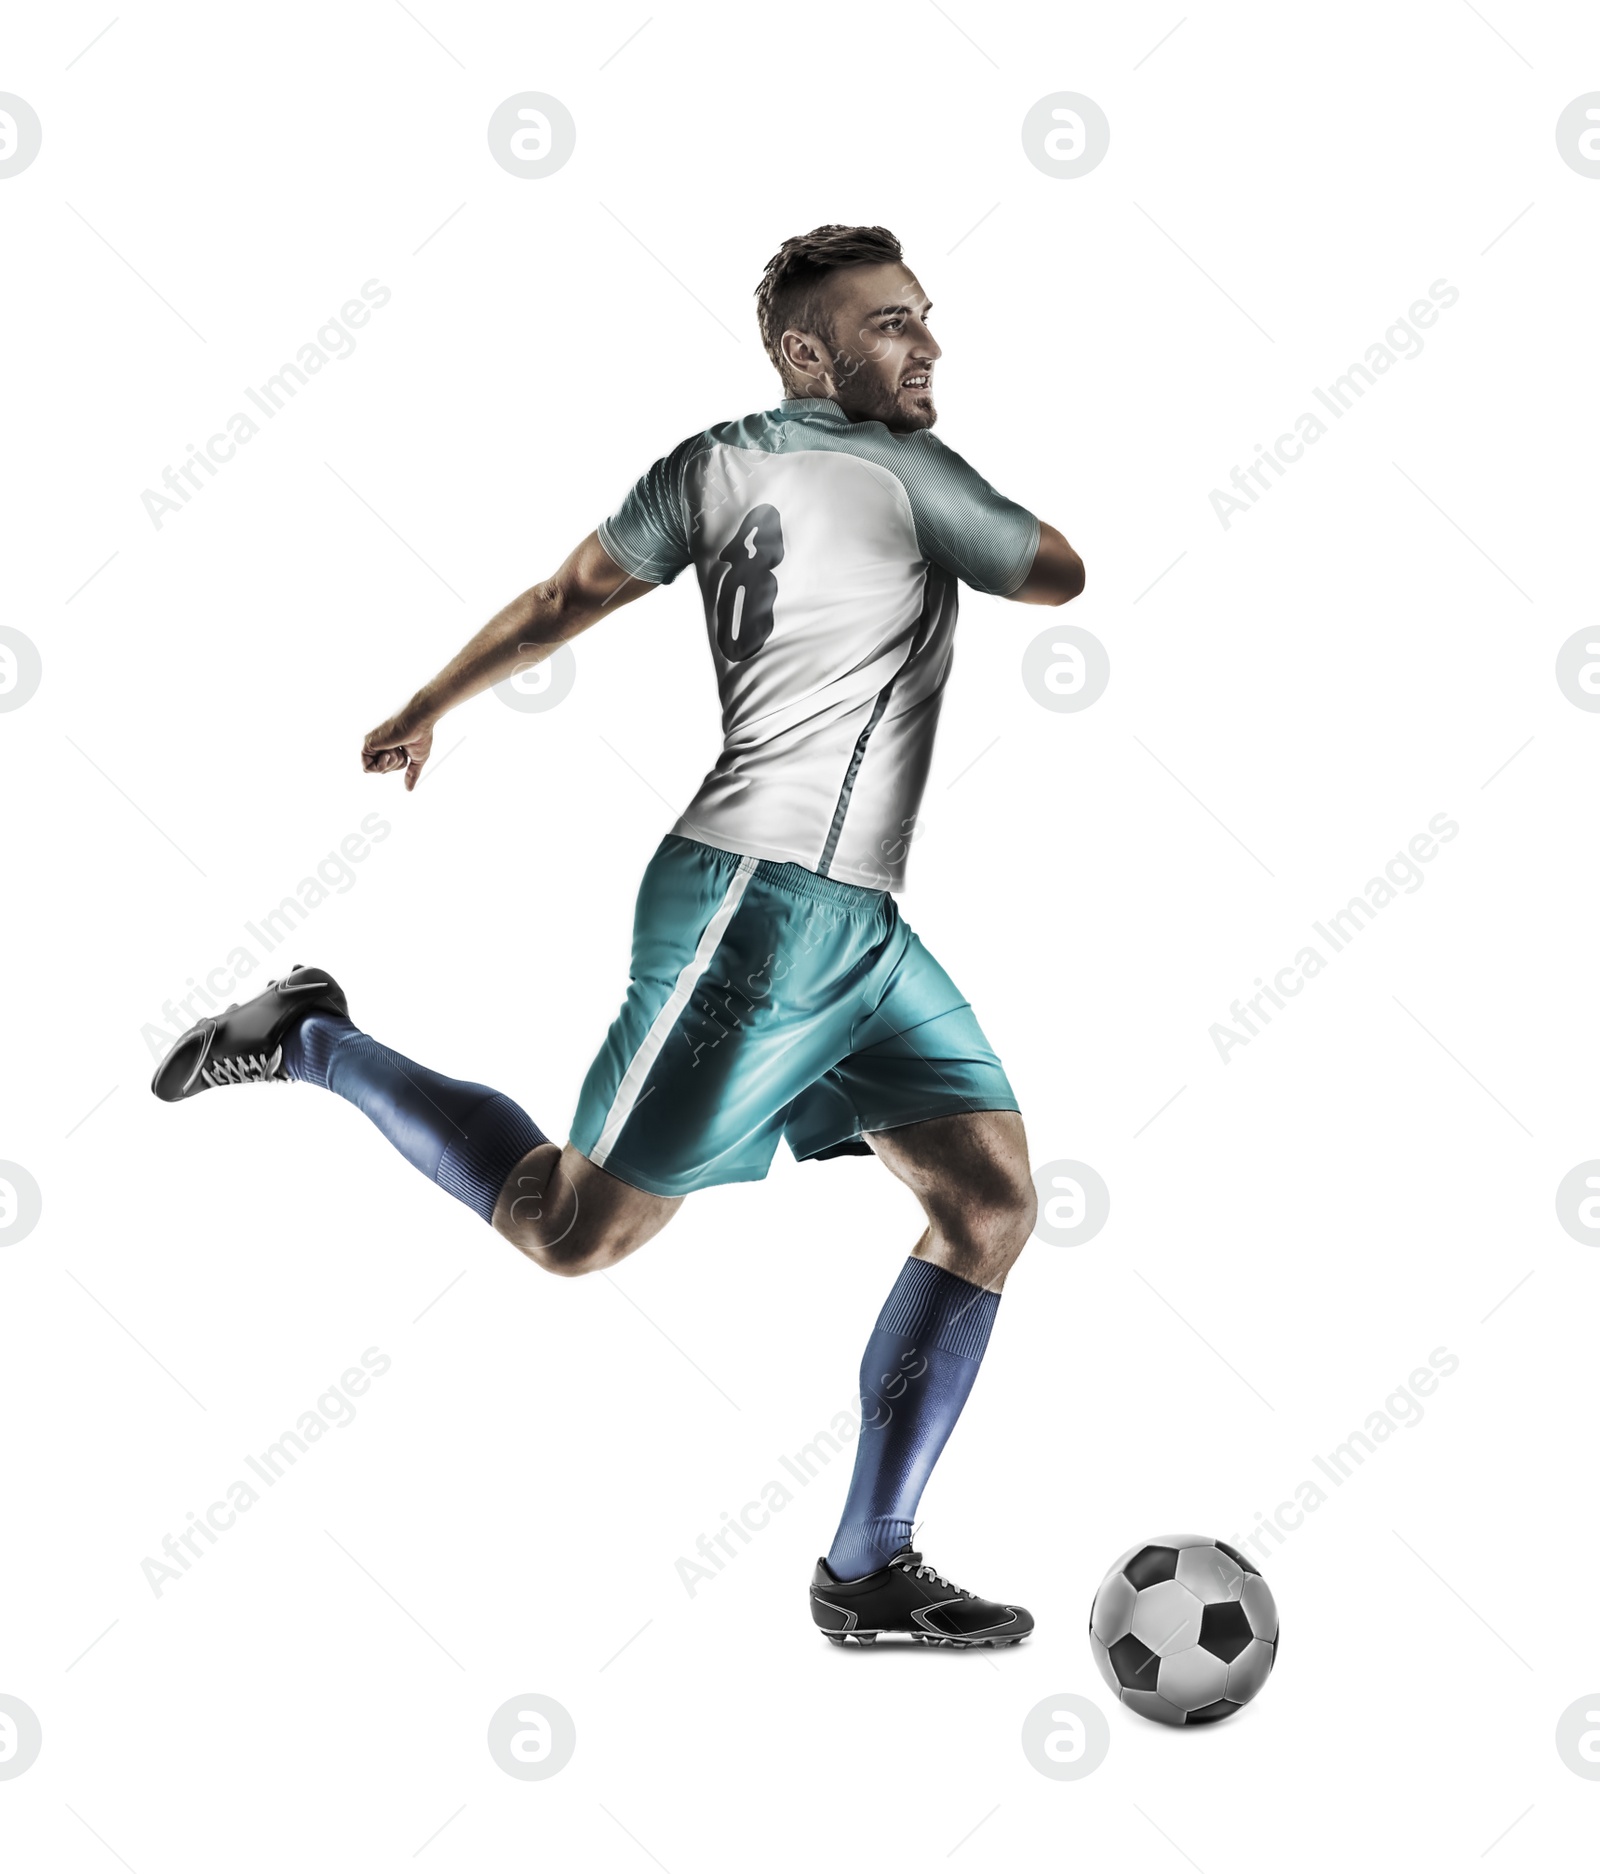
(828, 554)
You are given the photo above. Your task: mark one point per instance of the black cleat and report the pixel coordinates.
(244, 1044)
(906, 1598)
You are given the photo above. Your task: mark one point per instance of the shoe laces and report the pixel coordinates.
(238, 1070)
(913, 1565)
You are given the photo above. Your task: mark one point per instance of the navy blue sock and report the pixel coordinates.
(915, 1376)
(467, 1138)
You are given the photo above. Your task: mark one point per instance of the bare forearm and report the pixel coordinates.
(526, 631)
(531, 628)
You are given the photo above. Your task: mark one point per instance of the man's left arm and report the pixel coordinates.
(967, 526)
(1056, 574)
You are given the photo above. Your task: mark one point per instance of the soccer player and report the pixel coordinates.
(777, 991)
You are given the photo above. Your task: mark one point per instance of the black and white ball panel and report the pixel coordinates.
(1184, 1629)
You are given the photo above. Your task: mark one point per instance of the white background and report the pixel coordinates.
(1363, 1183)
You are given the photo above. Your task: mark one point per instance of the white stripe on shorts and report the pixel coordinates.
(632, 1083)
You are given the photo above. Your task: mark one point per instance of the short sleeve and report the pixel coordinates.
(648, 535)
(965, 525)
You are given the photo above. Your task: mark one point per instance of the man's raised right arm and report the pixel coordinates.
(589, 585)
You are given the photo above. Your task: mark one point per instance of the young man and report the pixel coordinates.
(776, 990)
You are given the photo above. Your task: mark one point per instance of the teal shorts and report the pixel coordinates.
(767, 1002)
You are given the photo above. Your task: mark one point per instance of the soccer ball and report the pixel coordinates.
(1184, 1630)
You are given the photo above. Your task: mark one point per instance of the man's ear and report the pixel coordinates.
(808, 359)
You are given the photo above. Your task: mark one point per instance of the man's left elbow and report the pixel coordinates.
(1072, 582)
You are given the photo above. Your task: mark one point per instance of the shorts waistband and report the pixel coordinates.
(807, 884)
(799, 880)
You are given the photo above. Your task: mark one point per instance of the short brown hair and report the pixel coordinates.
(789, 294)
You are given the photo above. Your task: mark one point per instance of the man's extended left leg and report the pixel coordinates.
(970, 1172)
(562, 1211)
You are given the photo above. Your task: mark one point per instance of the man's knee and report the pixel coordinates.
(571, 1219)
(994, 1218)
(579, 1252)
(1023, 1213)
(539, 1211)
(572, 1244)
(1007, 1210)
(577, 1249)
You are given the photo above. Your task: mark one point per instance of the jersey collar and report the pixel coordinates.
(822, 408)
